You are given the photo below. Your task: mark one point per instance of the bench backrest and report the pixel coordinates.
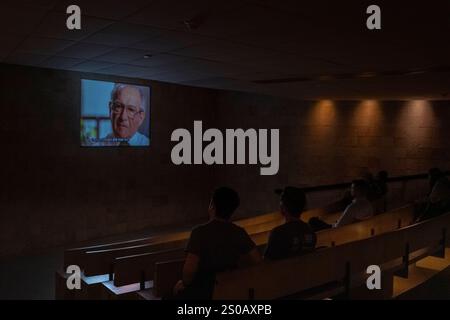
(167, 273)
(100, 262)
(141, 268)
(382, 223)
(96, 262)
(340, 264)
(77, 256)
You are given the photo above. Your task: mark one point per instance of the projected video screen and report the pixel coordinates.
(114, 114)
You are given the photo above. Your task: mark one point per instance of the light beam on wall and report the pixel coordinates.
(415, 129)
(368, 113)
(322, 120)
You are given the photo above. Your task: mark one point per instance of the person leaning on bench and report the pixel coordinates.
(360, 209)
(216, 246)
(294, 237)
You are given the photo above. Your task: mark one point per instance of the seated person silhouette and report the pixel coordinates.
(438, 200)
(294, 237)
(216, 246)
(381, 181)
(381, 190)
(371, 185)
(358, 210)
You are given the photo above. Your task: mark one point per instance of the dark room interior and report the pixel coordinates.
(167, 149)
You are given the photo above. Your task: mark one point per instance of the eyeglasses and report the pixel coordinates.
(118, 108)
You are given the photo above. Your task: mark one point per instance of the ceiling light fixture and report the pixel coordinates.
(325, 78)
(367, 75)
(413, 72)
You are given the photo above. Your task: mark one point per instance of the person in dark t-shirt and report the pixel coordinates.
(294, 237)
(216, 246)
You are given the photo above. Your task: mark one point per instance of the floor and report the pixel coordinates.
(30, 278)
(33, 277)
(436, 288)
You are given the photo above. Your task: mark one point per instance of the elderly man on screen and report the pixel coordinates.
(127, 113)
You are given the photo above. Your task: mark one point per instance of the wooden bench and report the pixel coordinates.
(132, 269)
(330, 237)
(340, 269)
(97, 264)
(76, 256)
(98, 261)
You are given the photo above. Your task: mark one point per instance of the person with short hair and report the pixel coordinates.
(216, 246)
(127, 113)
(360, 209)
(294, 237)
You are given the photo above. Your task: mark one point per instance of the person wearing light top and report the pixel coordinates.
(127, 113)
(438, 201)
(136, 140)
(360, 209)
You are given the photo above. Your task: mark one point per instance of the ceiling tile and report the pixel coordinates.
(229, 44)
(168, 67)
(122, 55)
(85, 51)
(224, 51)
(20, 19)
(54, 26)
(48, 4)
(45, 46)
(177, 77)
(157, 60)
(223, 83)
(9, 43)
(123, 34)
(123, 70)
(154, 45)
(254, 76)
(171, 14)
(108, 9)
(91, 66)
(26, 58)
(60, 62)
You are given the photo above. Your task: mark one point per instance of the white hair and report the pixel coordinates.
(119, 86)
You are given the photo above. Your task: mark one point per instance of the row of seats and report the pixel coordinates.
(150, 266)
(97, 261)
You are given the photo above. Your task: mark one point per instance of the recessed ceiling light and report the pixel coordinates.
(367, 75)
(148, 56)
(413, 72)
(325, 78)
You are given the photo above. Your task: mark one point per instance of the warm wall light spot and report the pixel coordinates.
(415, 123)
(419, 108)
(323, 113)
(368, 113)
(322, 121)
